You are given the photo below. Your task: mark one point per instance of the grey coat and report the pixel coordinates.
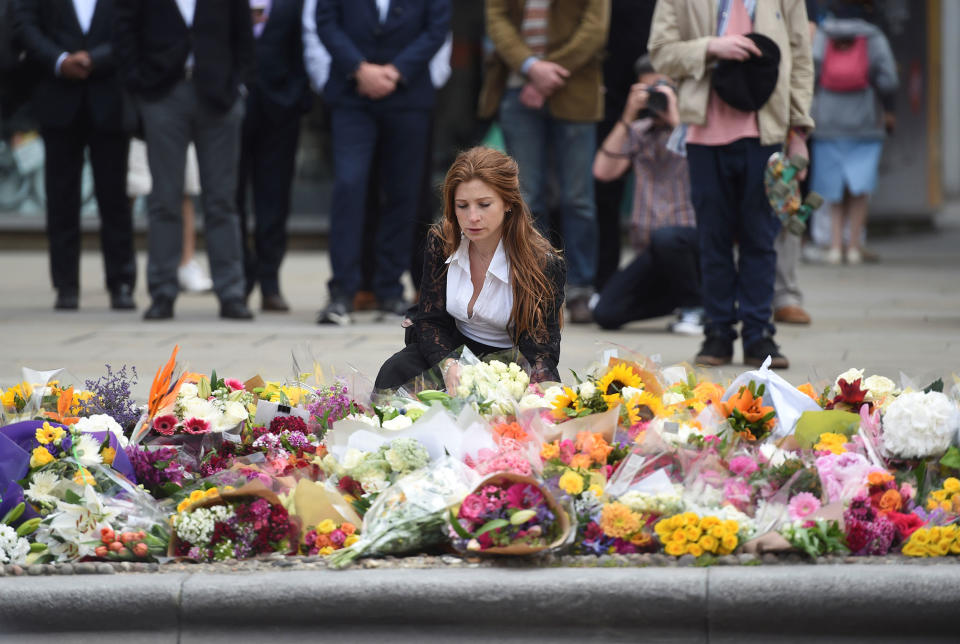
(859, 114)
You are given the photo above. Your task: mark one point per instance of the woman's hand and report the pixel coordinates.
(451, 375)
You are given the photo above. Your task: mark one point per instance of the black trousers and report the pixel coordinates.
(267, 162)
(408, 363)
(663, 278)
(64, 147)
(608, 195)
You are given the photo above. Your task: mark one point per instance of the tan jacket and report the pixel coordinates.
(576, 36)
(678, 48)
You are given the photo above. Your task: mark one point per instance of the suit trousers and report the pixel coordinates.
(355, 133)
(267, 158)
(170, 124)
(64, 148)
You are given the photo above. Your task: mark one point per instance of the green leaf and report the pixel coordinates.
(459, 529)
(72, 497)
(936, 385)
(951, 459)
(494, 524)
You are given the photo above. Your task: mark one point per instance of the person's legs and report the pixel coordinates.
(273, 169)
(354, 137)
(401, 368)
(608, 196)
(189, 242)
(108, 157)
(248, 152)
(525, 136)
(64, 153)
(787, 296)
(757, 230)
(401, 171)
(574, 145)
(168, 130)
(857, 212)
(632, 293)
(715, 200)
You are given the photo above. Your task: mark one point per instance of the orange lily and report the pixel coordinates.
(64, 405)
(750, 406)
(161, 393)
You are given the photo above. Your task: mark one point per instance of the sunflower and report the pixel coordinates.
(617, 377)
(644, 408)
(567, 398)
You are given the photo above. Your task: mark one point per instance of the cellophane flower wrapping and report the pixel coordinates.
(410, 515)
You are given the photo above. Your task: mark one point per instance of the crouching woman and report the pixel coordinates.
(490, 281)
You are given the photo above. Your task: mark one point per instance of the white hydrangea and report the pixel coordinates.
(187, 390)
(196, 527)
(101, 423)
(13, 549)
(920, 425)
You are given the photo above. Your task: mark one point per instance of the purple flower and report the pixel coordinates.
(112, 396)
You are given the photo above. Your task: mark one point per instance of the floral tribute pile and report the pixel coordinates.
(629, 457)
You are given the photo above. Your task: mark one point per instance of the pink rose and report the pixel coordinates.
(472, 507)
(233, 384)
(743, 465)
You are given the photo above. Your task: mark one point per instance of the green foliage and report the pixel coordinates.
(823, 537)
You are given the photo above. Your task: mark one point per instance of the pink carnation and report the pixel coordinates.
(743, 465)
(803, 505)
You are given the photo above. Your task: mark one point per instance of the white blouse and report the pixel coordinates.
(491, 311)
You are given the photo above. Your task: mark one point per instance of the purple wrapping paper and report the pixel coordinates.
(12, 496)
(19, 439)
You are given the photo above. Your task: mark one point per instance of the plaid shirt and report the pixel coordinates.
(662, 194)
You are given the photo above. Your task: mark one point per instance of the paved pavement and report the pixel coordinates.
(901, 315)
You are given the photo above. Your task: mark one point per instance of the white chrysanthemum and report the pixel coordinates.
(86, 448)
(920, 425)
(101, 423)
(187, 390)
(849, 376)
(13, 549)
(200, 408)
(42, 487)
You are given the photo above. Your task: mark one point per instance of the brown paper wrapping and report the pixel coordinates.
(314, 502)
(650, 381)
(520, 549)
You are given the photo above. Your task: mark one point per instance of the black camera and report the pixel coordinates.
(657, 101)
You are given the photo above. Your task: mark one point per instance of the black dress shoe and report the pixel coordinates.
(121, 298)
(274, 302)
(160, 309)
(235, 310)
(67, 301)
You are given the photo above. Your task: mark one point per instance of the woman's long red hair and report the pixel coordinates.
(528, 250)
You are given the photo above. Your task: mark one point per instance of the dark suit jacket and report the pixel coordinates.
(48, 28)
(153, 42)
(281, 79)
(412, 33)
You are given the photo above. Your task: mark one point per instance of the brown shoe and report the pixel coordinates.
(274, 303)
(578, 311)
(791, 315)
(715, 352)
(365, 301)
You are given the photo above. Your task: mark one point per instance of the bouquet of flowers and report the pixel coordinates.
(128, 545)
(14, 545)
(689, 534)
(330, 404)
(617, 528)
(918, 425)
(515, 450)
(411, 514)
(376, 471)
(495, 388)
(816, 538)
(508, 514)
(209, 405)
(747, 415)
(329, 536)
(234, 524)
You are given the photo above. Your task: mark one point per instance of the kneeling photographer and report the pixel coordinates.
(664, 277)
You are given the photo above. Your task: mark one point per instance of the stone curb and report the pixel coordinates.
(722, 604)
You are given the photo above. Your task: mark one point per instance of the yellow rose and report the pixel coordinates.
(719, 531)
(40, 457)
(732, 526)
(678, 536)
(690, 518)
(349, 541)
(550, 451)
(662, 527)
(571, 483)
(920, 537)
(675, 549)
(708, 522)
(676, 521)
(83, 477)
(708, 543)
(911, 549)
(694, 549)
(693, 532)
(597, 490)
(729, 542)
(943, 547)
(326, 526)
(326, 550)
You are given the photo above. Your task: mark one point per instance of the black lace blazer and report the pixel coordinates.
(436, 330)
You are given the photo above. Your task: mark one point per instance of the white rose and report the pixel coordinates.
(629, 392)
(353, 458)
(773, 454)
(395, 424)
(515, 368)
(532, 401)
(672, 398)
(188, 390)
(498, 367)
(850, 376)
(878, 388)
(587, 389)
(233, 414)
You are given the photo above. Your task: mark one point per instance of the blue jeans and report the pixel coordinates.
(528, 134)
(355, 133)
(726, 187)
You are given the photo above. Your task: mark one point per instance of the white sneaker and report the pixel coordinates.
(834, 256)
(689, 322)
(192, 278)
(854, 256)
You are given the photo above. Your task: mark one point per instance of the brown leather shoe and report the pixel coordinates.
(365, 301)
(274, 303)
(578, 311)
(791, 315)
